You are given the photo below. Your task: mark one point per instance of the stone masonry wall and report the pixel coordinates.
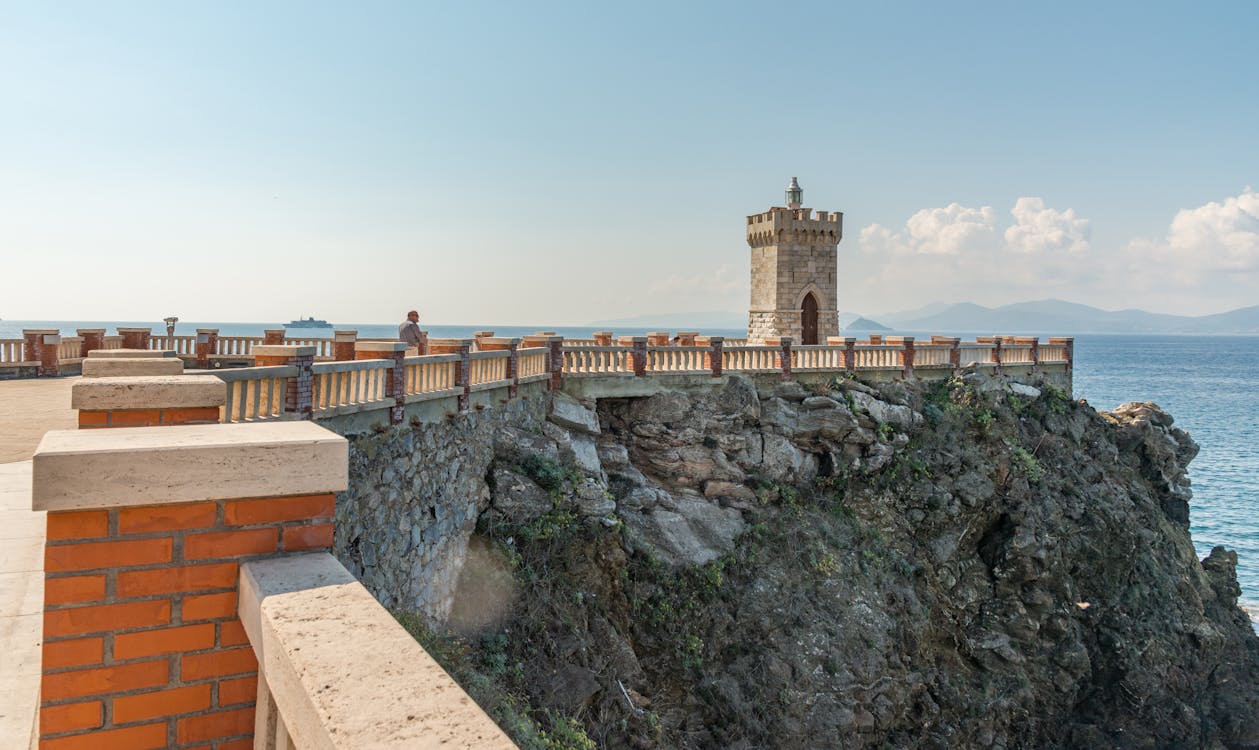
(415, 493)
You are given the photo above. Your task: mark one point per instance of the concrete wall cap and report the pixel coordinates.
(130, 353)
(282, 350)
(135, 466)
(39, 331)
(207, 330)
(147, 392)
(125, 329)
(341, 670)
(89, 330)
(451, 342)
(111, 368)
(380, 346)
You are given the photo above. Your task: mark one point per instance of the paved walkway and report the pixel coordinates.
(28, 409)
(21, 604)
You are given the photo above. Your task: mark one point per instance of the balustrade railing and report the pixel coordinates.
(932, 355)
(594, 360)
(430, 374)
(817, 358)
(677, 358)
(975, 353)
(323, 346)
(255, 394)
(879, 356)
(184, 346)
(353, 383)
(70, 349)
(237, 346)
(532, 365)
(11, 351)
(751, 359)
(487, 368)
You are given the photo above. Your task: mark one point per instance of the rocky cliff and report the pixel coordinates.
(970, 564)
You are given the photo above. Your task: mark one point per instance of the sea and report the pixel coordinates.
(1210, 384)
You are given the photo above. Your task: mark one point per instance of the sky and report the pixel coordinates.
(548, 163)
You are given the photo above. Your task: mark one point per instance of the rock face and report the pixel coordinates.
(977, 564)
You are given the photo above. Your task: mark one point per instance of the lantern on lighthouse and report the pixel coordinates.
(795, 194)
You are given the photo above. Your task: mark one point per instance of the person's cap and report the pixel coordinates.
(413, 312)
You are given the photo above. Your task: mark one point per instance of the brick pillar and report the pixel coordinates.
(40, 345)
(142, 645)
(996, 354)
(1035, 342)
(602, 338)
(395, 382)
(907, 357)
(273, 337)
(638, 353)
(658, 338)
(850, 355)
(343, 345)
(477, 336)
(207, 347)
(784, 354)
(687, 338)
(299, 391)
(148, 401)
(715, 355)
(463, 380)
(557, 362)
(1068, 345)
(93, 338)
(876, 339)
(512, 347)
(135, 338)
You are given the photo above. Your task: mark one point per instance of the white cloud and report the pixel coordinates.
(952, 230)
(1038, 229)
(1217, 236)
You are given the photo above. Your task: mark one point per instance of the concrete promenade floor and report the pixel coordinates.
(21, 605)
(28, 409)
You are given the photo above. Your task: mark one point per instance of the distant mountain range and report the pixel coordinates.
(1058, 317)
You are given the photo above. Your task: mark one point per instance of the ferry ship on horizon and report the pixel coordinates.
(307, 323)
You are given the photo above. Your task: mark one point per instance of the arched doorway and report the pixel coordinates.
(808, 320)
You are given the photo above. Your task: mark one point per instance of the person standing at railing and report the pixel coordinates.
(410, 333)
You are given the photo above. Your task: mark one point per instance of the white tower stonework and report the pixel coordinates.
(794, 269)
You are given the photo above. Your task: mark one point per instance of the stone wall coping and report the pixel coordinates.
(147, 392)
(82, 331)
(207, 330)
(312, 625)
(141, 329)
(40, 331)
(500, 340)
(380, 346)
(282, 350)
(452, 342)
(344, 335)
(540, 337)
(133, 466)
(95, 367)
(131, 353)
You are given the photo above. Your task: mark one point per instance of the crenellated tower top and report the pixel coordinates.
(794, 271)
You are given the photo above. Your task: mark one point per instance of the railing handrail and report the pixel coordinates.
(352, 365)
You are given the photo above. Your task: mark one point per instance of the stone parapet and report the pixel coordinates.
(133, 354)
(147, 529)
(147, 401)
(108, 367)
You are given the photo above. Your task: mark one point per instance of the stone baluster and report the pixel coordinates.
(395, 381)
(463, 367)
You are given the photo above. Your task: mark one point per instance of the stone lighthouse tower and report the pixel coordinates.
(794, 272)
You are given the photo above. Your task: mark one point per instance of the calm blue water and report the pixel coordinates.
(1209, 384)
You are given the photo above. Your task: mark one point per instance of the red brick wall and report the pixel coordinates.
(142, 645)
(148, 417)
